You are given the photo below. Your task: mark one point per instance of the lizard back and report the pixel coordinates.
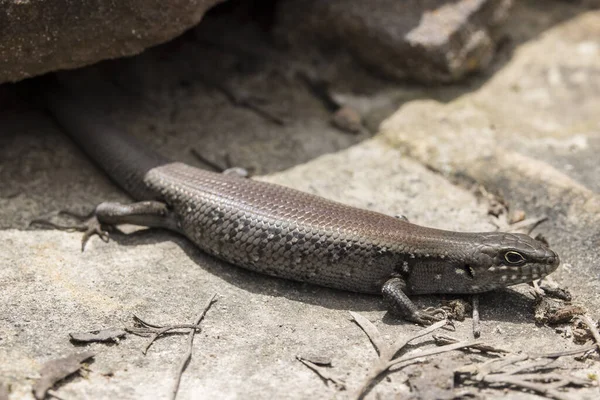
(281, 231)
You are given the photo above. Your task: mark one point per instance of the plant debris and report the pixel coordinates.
(56, 370)
(323, 372)
(387, 353)
(593, 329)
(155, 331)
(521, 372)
(507, 370)
(188, 355)
(456, 309)
(443, 340)
(550, 288)
(476, 320)
(324, 361)
(552, 311)
(104, 335)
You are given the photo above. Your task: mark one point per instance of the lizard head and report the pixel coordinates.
(503, 259)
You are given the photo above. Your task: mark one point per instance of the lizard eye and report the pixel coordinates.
(512, 257)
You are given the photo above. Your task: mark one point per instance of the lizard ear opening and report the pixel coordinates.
(469, 271)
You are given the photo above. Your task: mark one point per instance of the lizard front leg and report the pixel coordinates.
(400, 304)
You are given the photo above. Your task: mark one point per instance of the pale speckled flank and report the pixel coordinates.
(286, 233)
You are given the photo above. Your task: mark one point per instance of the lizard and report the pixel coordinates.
(286, 233)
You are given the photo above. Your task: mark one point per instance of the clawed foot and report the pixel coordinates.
(94, 227)
(428, 316)
(88, 224)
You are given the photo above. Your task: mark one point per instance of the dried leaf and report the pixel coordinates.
(436, 350)
(371, 331)
(105, 335)
(324, 361)
(324, 373)
(56, 370)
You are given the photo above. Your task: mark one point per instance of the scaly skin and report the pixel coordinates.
(283, 232)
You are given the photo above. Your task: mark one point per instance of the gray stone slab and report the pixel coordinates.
(252, 335)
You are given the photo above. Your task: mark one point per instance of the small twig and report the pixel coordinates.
(155, 331)
(320, 89)
(536, 387)
(144, 323)
(493, 373)
(530, 223)
(382, 366)
(560, 380)
(436, 350)
(476, 325)
(323, 373)
(591, 325)
(244, 101)
(569, 352)
(188, 355)
(536, 365)
(157, 334)
(387, 353)
(442, 340)
(216, 167)
(501, 363)
(160, 331)
(396, 347)
(371, 331)
(54, 394)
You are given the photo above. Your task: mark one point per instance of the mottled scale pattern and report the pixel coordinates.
(291, 234)
(280, 231)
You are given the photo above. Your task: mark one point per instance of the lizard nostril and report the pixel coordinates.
(555, 260)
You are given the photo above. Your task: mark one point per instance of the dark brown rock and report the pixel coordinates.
(41, 36)
(427, 40)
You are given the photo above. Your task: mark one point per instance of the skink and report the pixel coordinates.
(290, 234)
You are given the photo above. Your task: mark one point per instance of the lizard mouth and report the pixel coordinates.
(511, 275)
(553, 263)
(525, 273)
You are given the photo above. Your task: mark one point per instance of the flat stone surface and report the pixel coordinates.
(489, 131)
(41, 36)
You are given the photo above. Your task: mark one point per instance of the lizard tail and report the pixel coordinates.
(119, 154)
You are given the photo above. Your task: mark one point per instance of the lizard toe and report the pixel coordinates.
(93, 227)
(428, 316)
